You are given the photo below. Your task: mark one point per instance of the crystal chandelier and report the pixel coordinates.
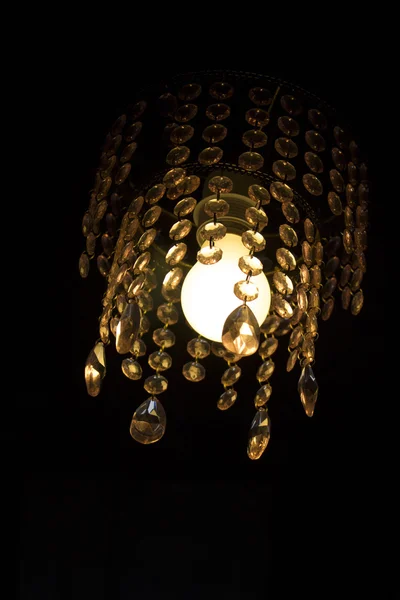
(246, 199)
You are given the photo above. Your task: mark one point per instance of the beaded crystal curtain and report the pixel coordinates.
(210, 154)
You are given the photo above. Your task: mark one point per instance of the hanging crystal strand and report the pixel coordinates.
(215, 133)
(198, 348)
(214, 231)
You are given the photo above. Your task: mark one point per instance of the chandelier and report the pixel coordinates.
(237, 204)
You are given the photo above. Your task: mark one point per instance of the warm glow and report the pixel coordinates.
(207, 292)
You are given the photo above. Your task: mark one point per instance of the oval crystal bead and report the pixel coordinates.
(175, 254)
(329, 287)
(198, 348)
(180, 229)
(257, 117)
(245, 290)
(268, 347)
(288, 126)
(254, 138)
(215, 231)
(167, 314)
(291, 361)
(286, 147)
(281, 191)
(285, 259)
(304, 275)
(181, 134)
(227, 399)
(256, 216)
(263, 395)
(271, 324)
(103, 265)
(173, 278)
(313, 298)
(346, 297)
(282, 283)
(84, 265)
(356, 279)
(220, 183)
(259, 194)
(122, 174)
(327, 309)
(131, 369)
(141, 262)
(164, 337)
(160, 361)
(288, 235)
(296, 336)
(335, 204)
(155, 193)
(265, 371)
(336, 180)
(250, 264)
(315, 141)
(357, 302)
(251, 161)
(194, 371)
(252, 239)
(177, 155)
(186, 113)
(312, 184)
(281, 306)
(290, 212)
(210, 155)
(185, 207)
(231, 375)
(332, 266)
(151, 216)
(209, 256)
(313, 162)
(284, 170)
(220, 208)
(155, 384)
(214, 133)
(218, 112)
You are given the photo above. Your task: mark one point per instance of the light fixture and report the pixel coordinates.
(264, 231)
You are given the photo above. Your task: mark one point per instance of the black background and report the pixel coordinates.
(104, 517)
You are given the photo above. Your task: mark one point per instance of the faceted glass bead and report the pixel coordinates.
(209, 256)
(348, 241)
(259, 194)
(265, 370)
(308, 390)
(327, 309)
(351, 195)
(356, 279)
(175, 254)
(194, 371)
(185, 206)
(312, 184)
(313, 162)
(171, 295)
(357, 302)
(284, 170)
(218, 112)
(345, 275)
(155, 384)
(359, 261)
(136, 205)
(103, 265)
(121, 273)
(309, 230)
(107, 243)
(288, 235)
(363, 192)
(288, 126)
(296, 336)
(251, 161)
(361, 217)
(190, 91)
(231, 375)
(281, 191)
(131, 229)
(245, 290)
(191, 182)
(136, 285)
(346, 297)
(175, 191)
(227, 399)
(121, 303)
(104, 332)
(339, 159)
(221, 90)
(304, 275)
(252, 239)
(336, 180)
(352, 173)
(257, 117)
(128, 328)
(290, 212)
(218, 350)
(160, 361)
(177, 155)
(332, 266)
(95, 369)
(215, 231)
(164, 337)
(150, 282)
(155, 193)
(261, 96)
(131, 369)
(241, 332)
(133, 131)
(291, 105)
(144, 300)
(210, 155)
(151, 216)
(141, 262)
(167, 314)
(259, 434)
(181, 134)
(256, 216)
(254, 138)
(283, 283)
(250, 264)
(313, 298)
(335, 203)
(118, 125)
(281, 306)
(113, 326)
(84, 265)
(317, 119)
(271, 324)
(315, 141)
(87, 224)
(302, 300)
(214, 133)
(173, 278)
(263, 395)
(180, 229)
(286, 147)
(198, 348)
(318, 253)
(285, 259)
(186, 113)
(122, 174)
(220, 208)
(220, 183)
(308, 348)
(174, 176)
(91, 244)
(101, 210)
(128, 152)
(268, 347)
(148, 422)
(329, 287)
(291, 361)
(105, 187)
(311, 321)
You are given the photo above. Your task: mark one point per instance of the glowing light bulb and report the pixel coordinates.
(207, 293)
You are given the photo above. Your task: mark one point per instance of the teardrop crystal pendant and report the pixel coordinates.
(95, 369)
(308, 390)
(259, 434)
(148, 422)
(241, 332)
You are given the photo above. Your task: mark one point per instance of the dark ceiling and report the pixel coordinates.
(104, 517)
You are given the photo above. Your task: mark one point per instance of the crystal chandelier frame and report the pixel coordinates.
(304, 225)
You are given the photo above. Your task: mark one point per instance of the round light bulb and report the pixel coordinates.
(207, 293)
